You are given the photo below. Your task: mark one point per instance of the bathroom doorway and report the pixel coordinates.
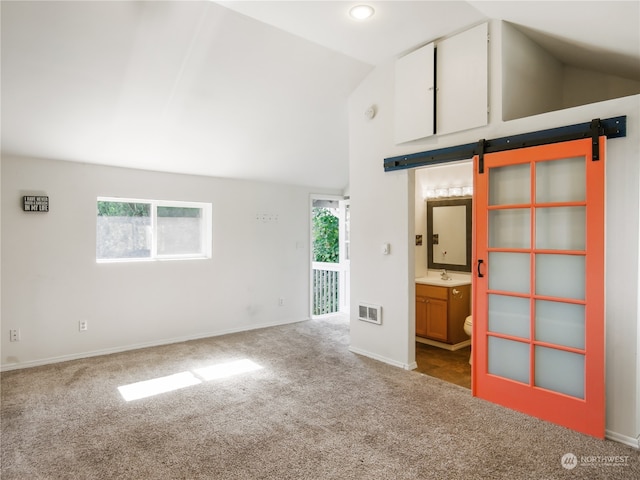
(442, 348)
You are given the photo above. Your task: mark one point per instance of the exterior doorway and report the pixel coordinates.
(330, 251)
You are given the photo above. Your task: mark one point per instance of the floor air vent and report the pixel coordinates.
(370, 313)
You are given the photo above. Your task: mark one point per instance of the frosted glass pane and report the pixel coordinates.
(510, 185)
(123, 230)
(561, 180)
(509, 315)
(510, 228)
(179, 231)
(509, 272)
(560, 371)
(560, 276)
(560, 323)
(509, 359)
(561, 228)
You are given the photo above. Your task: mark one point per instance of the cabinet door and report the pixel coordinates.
(414, 95)
(421, 316)
(459, 309)
(437, 319)
(462, 83)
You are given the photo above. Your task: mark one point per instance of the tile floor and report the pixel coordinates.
(449, 366)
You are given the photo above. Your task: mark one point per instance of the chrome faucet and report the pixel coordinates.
(444, 275)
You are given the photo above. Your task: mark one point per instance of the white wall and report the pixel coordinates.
(50, 279)
(2, 330)
(585, 86)
(380, 214)
(532, 78)
(383, 211)
(534, 81)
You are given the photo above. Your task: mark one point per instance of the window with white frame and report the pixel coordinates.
(132, 230)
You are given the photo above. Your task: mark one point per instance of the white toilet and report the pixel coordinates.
(468, 324)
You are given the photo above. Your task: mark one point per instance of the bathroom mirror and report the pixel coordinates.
(449, 234)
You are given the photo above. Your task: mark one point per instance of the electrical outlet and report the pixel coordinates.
(14, 335)
(82, 325)
(281, 302)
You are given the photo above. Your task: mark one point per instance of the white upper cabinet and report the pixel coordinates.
(443, 87)
(462, 81)
(414, 95)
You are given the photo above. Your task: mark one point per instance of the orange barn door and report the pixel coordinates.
(538, 316)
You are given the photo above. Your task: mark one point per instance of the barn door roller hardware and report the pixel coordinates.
(482, 145)
(615, 127)
(596, 131)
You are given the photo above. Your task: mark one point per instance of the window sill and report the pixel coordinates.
(156, 259)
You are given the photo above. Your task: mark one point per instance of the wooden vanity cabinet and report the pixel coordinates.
(441, 311)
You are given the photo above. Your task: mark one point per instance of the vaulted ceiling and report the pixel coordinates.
(241, 89)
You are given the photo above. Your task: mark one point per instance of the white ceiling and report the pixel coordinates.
(395, 27)
(242, 89)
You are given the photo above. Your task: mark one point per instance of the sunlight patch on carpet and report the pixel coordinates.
(156, 386)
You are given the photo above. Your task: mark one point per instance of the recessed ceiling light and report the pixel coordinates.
(361, 12)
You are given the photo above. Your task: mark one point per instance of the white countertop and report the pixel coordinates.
(455, 280)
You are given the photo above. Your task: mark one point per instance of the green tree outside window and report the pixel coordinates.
(325, 236)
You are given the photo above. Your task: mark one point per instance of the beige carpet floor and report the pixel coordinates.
(313, 411)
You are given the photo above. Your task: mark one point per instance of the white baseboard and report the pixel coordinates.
(375, 356)
(446, 346)
(137, 346)
(618, 437)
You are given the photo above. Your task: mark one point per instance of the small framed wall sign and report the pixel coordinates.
(35, 203)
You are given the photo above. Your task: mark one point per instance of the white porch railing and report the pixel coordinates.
(326, 288)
